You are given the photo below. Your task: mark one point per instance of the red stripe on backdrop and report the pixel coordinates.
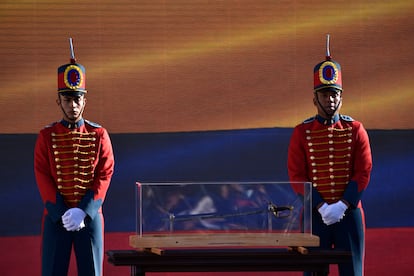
(389, 252)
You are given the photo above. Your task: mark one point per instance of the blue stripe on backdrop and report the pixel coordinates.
(236, 155)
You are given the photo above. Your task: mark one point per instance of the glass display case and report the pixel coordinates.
(205, 214)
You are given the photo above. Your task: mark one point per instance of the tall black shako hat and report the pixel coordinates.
(327, 74)
(71, 76)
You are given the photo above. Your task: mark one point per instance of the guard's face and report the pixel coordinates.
(72, 106)
(329, 101)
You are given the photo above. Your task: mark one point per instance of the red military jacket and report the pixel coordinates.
(73, 166)
(335, 156)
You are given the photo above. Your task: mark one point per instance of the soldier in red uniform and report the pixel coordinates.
(332, 151)
(73, 164)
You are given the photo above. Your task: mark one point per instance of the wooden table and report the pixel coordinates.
(226, 260)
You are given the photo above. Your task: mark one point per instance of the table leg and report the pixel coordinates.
(136, 271)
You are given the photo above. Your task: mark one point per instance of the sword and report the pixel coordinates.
(277, 211)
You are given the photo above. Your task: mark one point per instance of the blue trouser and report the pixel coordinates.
(57, 246)
(348, 234)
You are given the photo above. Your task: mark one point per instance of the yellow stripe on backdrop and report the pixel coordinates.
(155, 66)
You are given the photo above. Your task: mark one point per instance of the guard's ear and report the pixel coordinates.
(315, 102)
(58, 99)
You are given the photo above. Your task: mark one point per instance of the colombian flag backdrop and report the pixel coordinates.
(198, 90)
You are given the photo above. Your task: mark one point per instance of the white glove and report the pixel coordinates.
(73, 219)
(322, 209)
(334, 212)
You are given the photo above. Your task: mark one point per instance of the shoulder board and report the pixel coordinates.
(93, 124)
(347, 118)
(309, 120)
